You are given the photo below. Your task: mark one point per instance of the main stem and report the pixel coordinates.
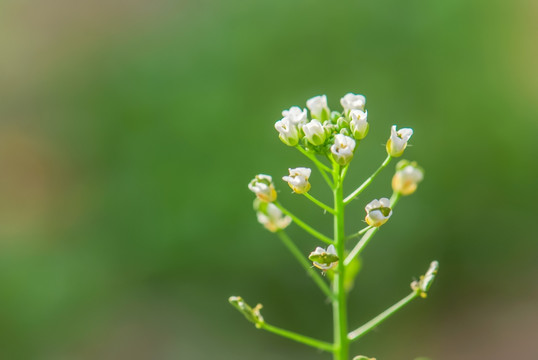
(341, 343)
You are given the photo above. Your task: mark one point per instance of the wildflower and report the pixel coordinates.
(298, 179)
(351, 101)
(359, 125)
(314, 132)
(342, 149)
(324, 259)
(262, 186)
(378, 212)
(318, 107)
(287, 131)
(407, 176)
(398, 141)
(295, 115)
(270, 216)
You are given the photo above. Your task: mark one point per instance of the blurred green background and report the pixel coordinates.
(130, 129)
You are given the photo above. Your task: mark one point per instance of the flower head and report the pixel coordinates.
(314, 132)
(398, 141)
(342, 149)
(295, 115)
(359, 125)
(270, 216)
(351, 101)
(287, 131)
(407, 176)
(378, 212)
(324, 259)
(298, 179)
(318, 107)
(262, 186)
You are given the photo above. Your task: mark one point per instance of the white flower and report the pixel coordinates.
(324, 259)
(342, 149)
(398, 141)
(314, 132)
(262, 186)
(270, 216)
(378, 212)
(351, 101)
(317, 105)
(407, 176)
(298, 179)
(359, 125)
(295, 115)
(287, 132)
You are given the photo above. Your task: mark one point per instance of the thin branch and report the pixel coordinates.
(319, 203)
(306, 265)
(367, 182)
(355, 334)
(322, 345)
(305, 227)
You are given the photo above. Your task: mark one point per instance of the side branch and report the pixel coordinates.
(306, 265)
(355, 334)
(306, 227)
(319, 203)
(321, 166)
(367, 182)
(322, 345)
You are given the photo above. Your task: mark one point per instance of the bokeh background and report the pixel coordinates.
(130, 129)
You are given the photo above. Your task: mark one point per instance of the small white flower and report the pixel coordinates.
(314, 132)
(262, 186)
(407, 176)
(351, 101)
(398, 141)
(287, 132)
(359, 125)
(342, 149)
(298, 179)
(324, 259)
(295, 115)
(270, 216)
(378, 212)
(317, 105)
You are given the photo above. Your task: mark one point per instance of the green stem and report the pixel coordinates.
(319, 203)
(341, 344)
(360, 245)
(355, 334)
(302, 224)
(305, 263)
(321, 166)
(322, 345)
(359, 233)
(367, 182)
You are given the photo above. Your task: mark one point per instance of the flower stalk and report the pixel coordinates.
(335, 137)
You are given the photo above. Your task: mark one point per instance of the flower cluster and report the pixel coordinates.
(334, 133)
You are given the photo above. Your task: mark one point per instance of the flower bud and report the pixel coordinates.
(378, 212)
(298, 179)
(295, 115)
(359, 125)
(398, 141)
(262, 186)
(407, 176)
(287, 132)
(318, 107)
(351, 101)
(314, 132)
(270, 216)
(252, 314)
(324, 259)
(342, 149)
(423, 285)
